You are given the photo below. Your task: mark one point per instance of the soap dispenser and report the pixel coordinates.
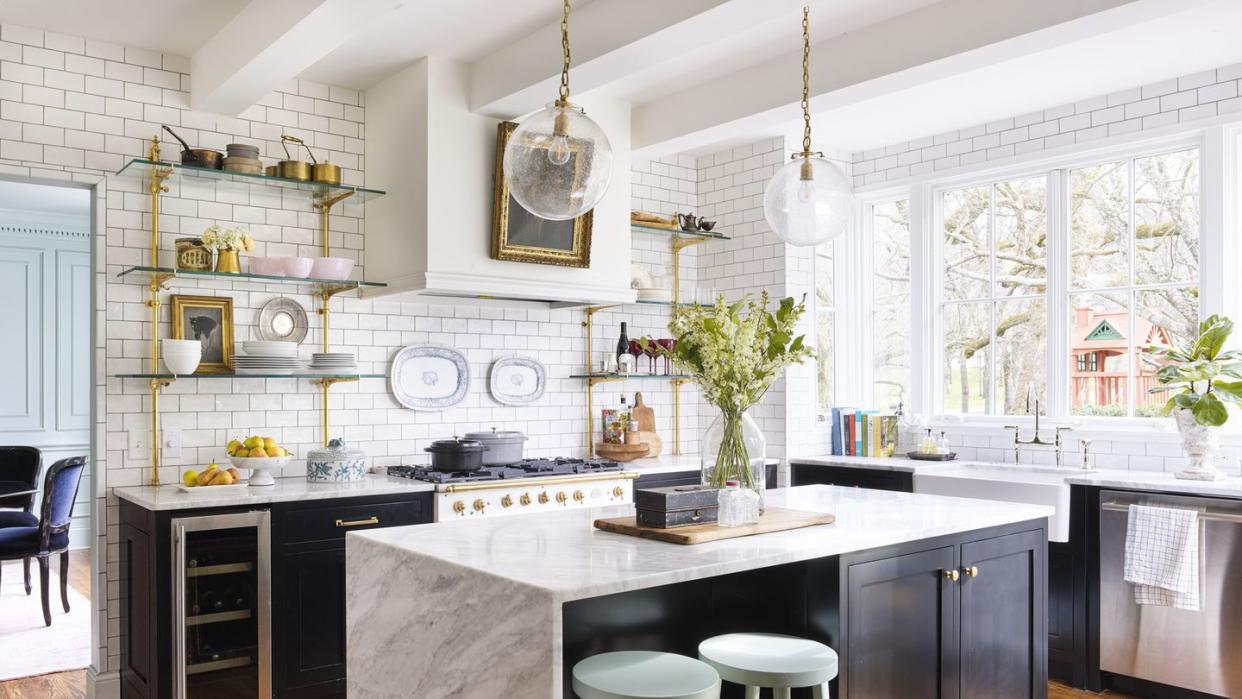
(929, 443)
(942, 445)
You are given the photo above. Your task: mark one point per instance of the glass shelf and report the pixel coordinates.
(685, 377)
(173, 272)
(140, 168)
(681, 304)
(250, 376)
(678, 233)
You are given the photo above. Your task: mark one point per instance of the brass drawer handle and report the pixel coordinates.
(357, 522)
(971, 571)
(952, 575)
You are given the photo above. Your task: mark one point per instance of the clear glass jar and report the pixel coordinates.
(738, 506)
(733, 448)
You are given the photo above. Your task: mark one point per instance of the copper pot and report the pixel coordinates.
(198, 157)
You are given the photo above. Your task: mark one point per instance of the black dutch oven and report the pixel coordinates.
(456, 455)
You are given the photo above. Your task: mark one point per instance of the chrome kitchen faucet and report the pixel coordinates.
(1035, 440)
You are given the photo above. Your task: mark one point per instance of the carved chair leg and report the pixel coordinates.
(64, 580)
(44, 573)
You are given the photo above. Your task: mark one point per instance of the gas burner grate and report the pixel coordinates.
(530, 468)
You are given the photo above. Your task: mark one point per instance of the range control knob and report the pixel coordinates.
(618, 491)
(543, 498)
(525, 499)
(479, 505)
(561, 497)
(579, 496)
(459, 507)
(506, 501)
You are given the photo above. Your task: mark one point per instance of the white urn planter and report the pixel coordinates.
(1201, 443)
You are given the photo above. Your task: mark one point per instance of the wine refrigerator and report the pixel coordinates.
(222, 606)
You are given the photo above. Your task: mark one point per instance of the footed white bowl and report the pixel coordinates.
(258, 467)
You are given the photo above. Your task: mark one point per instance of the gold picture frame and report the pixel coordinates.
(520, 236)
(211, 324)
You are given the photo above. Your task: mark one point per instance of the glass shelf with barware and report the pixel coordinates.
(139, 169)
(138, 273)
(678, 232)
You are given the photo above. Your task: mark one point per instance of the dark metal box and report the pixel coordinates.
(671, 519)
(676, 497)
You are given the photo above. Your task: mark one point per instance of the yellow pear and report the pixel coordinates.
(190, 477)
(234, 445)
(204, 477)
(258, 453)
(269, 444)
(253, 442)
(277, 451)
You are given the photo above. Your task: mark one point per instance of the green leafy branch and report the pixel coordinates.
(1204, 376)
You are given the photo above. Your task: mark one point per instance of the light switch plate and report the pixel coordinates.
(171, 447)
(137, 444)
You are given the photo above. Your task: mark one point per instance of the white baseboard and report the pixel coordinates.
(102, 685)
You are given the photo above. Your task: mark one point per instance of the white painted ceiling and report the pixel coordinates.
(178, 27)
(45, 199)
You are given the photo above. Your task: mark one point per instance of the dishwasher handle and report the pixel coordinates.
(1206, 515)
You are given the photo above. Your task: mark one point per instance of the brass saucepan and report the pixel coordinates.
(324, 172)
(290, 168)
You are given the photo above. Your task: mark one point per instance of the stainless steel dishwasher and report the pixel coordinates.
(1192, 650)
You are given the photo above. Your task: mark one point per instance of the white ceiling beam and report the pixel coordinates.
(269, 43)
(609, 40)
(949, 38)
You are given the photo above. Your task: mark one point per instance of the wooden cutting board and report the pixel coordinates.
(642, 414)
(622, 452)
(774, 519)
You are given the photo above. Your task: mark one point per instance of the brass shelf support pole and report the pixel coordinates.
(324, 207)
(680, 244)
(325, 385)
(157, 187)
(677, 383)
(588, 324)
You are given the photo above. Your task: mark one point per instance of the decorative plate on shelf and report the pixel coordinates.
(517, 380)
(429, 377)
(282, 320)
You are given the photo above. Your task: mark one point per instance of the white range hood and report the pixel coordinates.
(431, 234)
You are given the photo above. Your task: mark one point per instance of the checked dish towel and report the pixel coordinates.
(1162, 556)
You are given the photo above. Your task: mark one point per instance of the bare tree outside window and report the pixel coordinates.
(1128, 290)
(993, 307)
(824, 318)
(890, 284)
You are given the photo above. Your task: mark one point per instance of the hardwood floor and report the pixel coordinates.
(1056, 690)
(58, 685)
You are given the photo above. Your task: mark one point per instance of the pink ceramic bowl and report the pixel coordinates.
(332, 268)
(267, 265)
(298, 266)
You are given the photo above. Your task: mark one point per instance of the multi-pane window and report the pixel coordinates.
(1134, 276)
(993, 308)
(890, 288)
(824, 319)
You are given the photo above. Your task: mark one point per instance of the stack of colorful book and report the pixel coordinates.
(857, 432)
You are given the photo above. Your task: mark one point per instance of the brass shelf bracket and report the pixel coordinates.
(324, 207)
(325, 385)
(678, 245)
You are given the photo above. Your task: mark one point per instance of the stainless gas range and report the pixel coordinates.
(532, 485)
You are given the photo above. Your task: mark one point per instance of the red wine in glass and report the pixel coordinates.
(667, 344)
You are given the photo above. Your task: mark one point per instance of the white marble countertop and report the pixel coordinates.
(562, 555)
(168, 497)
(1105, 478)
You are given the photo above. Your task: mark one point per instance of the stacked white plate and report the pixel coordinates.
(329, 362)
(270, 348)
(248, 364)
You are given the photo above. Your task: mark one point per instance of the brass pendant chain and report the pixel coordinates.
(806, 81)
(564, 89)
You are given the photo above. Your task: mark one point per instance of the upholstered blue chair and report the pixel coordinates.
(19, 470)
(50, 535)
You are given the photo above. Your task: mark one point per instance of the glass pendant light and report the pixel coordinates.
(558, 162)
(809, 200)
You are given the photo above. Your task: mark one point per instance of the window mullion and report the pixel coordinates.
(925, 292)
(990, 385)
(1056, 294)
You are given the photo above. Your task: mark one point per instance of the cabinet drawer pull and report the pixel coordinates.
(971, 571)
(357, 522)
(952, 575)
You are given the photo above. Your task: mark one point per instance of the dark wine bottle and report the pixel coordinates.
(211, 602)
(623, 344)
(239, 599)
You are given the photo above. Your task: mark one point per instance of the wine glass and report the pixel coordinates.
(667, 344)
(636, 349)
(652, 352)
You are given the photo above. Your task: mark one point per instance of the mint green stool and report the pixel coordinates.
(641, 674)
(757, 660)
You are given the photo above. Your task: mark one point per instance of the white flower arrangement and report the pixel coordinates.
(216, 238)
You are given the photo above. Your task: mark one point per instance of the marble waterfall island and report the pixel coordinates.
(948, 589)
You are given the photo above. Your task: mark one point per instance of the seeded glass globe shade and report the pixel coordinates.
(808, 202)
(558, 163)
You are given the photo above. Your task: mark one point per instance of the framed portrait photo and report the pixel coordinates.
(208, 319)
(520, 236)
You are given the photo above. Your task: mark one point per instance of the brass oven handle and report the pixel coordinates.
(357, 522)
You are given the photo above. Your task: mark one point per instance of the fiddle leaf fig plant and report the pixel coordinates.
(1203, 375)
